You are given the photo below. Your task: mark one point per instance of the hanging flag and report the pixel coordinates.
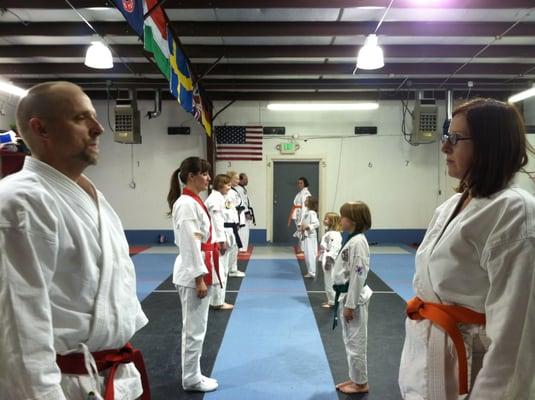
(203, 108)
(180, 83)
(155, 36)
(239, 143)
(132, 10)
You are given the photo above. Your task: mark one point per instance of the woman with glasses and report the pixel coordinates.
(471, 326)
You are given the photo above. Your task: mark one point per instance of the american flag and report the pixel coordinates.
(239, 143)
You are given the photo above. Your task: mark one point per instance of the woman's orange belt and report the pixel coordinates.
(447, 317)
(294, 207)
(74, 363)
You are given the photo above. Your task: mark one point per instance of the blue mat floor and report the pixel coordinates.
(272, 348)
(396, 270)
(151, 270)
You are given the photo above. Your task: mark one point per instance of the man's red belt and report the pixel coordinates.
(108, 359)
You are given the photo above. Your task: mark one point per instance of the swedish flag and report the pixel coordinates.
(180, 82)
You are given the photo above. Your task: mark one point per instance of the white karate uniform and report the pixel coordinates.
(330, 246)
(232, 200)
(245, 223)
(215, 204)
(297, 214)
(352, 265)
(67, 284)
(190, 219)
(310, 240)
(483, 260)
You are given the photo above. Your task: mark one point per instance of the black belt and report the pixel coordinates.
(341, 288)
(235, 228)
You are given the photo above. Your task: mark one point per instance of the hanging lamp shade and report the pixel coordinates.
(98, 56)
(370, 55)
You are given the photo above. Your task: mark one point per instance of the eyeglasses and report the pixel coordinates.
(452, 138)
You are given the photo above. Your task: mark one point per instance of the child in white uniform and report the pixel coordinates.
(215, 204)
(309, 236)
(330, 245)
(350, 271)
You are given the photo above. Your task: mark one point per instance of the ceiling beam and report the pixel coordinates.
(334, 96)
(200, 4)
(65, 29)
(277, 29)
(343, 28)
(272, 85)
(334, 51)
(28, 51)
(401, 69)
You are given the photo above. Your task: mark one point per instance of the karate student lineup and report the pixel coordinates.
(68, 304)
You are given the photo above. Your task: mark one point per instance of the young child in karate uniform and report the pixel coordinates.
(330, 246)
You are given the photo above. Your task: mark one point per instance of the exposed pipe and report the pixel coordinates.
(157, 105)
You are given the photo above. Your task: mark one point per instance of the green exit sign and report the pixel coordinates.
(287, 148)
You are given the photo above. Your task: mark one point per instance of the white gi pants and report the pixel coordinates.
(244, 236)
(194, 322)
(299, 242)
(355, 335)
(232, 258)
(218, 293)
(310, 247)
(328, 279)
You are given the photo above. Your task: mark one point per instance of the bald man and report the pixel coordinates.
(67, 284)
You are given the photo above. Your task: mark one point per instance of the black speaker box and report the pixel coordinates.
(365, 130)
(178, 130)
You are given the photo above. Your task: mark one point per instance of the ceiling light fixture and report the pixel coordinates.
(98, 56)
(370, 55)
(12, 89)
(322, 106)
(522, 95)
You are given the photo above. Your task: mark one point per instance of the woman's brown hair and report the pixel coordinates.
(311, 203)
(359, 213)
(191, 165)
(500, 145)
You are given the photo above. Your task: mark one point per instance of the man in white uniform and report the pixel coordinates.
(233, 205)
(67, 283)
(246, 215)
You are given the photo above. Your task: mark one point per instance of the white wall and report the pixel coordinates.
(7, 110)
(153, 162)
(401, 188)
(398, 181)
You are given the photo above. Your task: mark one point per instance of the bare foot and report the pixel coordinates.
(327, 305)
(339, 385)
(227, 306)
(354, 388)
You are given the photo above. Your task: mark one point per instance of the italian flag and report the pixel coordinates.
(155, 36)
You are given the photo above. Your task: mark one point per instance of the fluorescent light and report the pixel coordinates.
(12, 89)
(98, 56)
(522, 95)
(321, 106)
(370, 55)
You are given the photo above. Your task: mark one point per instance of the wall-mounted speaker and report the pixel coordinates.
(178, 130)
(274, 130)
(365, 130)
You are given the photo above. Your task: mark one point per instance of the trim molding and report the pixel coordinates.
(259, 236)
